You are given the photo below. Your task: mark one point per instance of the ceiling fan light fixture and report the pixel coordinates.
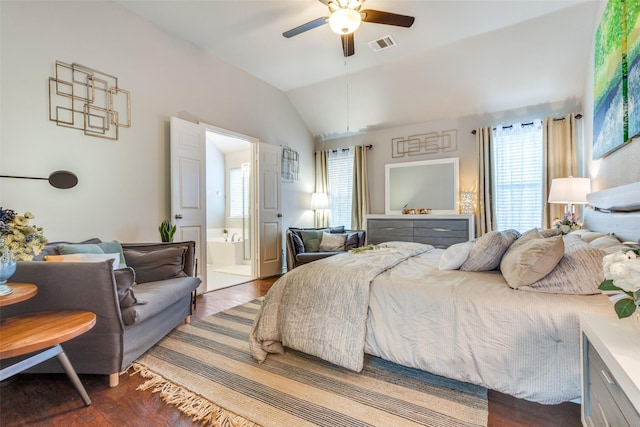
(344, 21)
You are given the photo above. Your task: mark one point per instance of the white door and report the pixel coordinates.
(188, 192)
(269, 214)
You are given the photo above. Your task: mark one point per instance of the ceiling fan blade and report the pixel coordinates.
(379, 17)
(348, 45)
(306, 27)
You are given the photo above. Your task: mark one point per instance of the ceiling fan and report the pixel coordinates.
(345, 18)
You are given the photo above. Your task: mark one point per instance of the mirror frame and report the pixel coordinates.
(426, 163)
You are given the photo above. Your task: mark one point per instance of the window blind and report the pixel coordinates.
(238, 193)
(340, 177)
(518, 176)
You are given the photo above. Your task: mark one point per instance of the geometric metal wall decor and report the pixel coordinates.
(89, 100)
(425, 143)
(289, 165)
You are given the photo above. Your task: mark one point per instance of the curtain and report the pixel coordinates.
(360, 203)
(486, 211)
(560, 160)
(321, 216)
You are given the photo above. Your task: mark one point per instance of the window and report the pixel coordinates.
(239, 191)
(518, 176)
(340, 177)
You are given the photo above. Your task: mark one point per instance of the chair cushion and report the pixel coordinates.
(159, 296)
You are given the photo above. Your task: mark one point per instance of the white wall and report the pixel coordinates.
(618, 168)
(123, 191)
(381, 153)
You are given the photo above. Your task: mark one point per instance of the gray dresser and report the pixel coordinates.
(440, 231)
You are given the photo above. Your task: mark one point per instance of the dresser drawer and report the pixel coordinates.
(393, 235)
(382, 224)
(439, 242)
(599, 373)
(443, 225)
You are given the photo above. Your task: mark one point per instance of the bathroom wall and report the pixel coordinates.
(215, 187)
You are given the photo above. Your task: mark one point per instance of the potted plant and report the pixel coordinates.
(167, 230)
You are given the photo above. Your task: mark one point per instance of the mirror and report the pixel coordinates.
(429, 184)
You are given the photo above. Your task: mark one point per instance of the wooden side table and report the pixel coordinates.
(42, 332)
(21, 292)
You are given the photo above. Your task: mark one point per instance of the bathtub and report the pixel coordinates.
(221, 253)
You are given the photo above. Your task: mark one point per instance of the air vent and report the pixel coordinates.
(382, 43)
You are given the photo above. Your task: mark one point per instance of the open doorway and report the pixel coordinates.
(230, 233)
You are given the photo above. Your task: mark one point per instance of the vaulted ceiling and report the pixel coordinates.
(460, 58)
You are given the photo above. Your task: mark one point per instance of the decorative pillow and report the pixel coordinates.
(160, 264)
(487, 251)
(125, 279)
(79, 248)
(550, 232)
(609, 244)
(311, 239)
(337, 230)
(352, 241)
(578, 272)
(332, 242)
(455, 256)
(588, 235)
(531, 260)
(297, 242)
(85, 257)
(113, 247)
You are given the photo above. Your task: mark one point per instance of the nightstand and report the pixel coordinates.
(610, 372)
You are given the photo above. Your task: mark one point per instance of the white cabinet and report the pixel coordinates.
(610, 372)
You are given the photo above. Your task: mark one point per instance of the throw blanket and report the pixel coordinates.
(321, 308)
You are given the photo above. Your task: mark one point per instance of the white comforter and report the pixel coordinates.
(463, 325)
(474, 328)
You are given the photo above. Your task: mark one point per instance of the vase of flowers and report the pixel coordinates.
(7, 268)
(568, 223)
(19, 241)
(622, 282)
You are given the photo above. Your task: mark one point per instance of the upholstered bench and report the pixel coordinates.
(305, 245)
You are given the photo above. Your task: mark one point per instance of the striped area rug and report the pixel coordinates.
(205, 369)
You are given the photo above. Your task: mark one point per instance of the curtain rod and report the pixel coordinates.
(560, 119)
(368, 147)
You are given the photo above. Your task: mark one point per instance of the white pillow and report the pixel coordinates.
(455, 256)
(85, 258)
(332, 242)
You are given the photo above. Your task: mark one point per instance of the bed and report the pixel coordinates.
(395, 302)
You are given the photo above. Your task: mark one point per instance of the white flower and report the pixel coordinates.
(565, 228)
(623, 269)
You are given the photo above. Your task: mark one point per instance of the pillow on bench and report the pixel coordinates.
(160, 264)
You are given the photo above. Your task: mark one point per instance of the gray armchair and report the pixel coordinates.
(303, 244)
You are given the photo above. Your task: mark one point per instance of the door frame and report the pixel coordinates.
(255, 248)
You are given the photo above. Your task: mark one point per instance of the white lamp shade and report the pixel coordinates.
(344, 21)
(570, 190)
(319, 201)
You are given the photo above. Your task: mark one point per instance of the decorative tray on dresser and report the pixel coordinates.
(610, 371)
(440, 231)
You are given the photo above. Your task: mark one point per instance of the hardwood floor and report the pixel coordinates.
(51, 400)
